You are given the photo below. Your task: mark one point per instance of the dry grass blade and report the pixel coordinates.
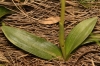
(20, 8)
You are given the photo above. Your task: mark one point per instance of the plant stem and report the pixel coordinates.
(61, 28)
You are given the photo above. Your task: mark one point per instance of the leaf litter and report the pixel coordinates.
(49, 32)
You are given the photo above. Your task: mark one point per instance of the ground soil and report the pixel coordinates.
(85, 55)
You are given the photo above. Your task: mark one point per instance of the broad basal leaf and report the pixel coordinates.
(31, 43)
(78, 34)
(3, 11)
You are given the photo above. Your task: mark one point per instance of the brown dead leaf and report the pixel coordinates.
(50, 20)
(3, 58)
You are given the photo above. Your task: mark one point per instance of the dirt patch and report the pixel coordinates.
(85, 55)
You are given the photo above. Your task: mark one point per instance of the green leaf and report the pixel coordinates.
(92, 38)
(32, 43)
(78, 34)
(3, 11)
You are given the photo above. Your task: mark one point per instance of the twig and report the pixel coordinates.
(11, 4)
(92, 63)
(72, 3)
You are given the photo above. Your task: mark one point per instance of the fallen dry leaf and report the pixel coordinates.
(50, 20)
